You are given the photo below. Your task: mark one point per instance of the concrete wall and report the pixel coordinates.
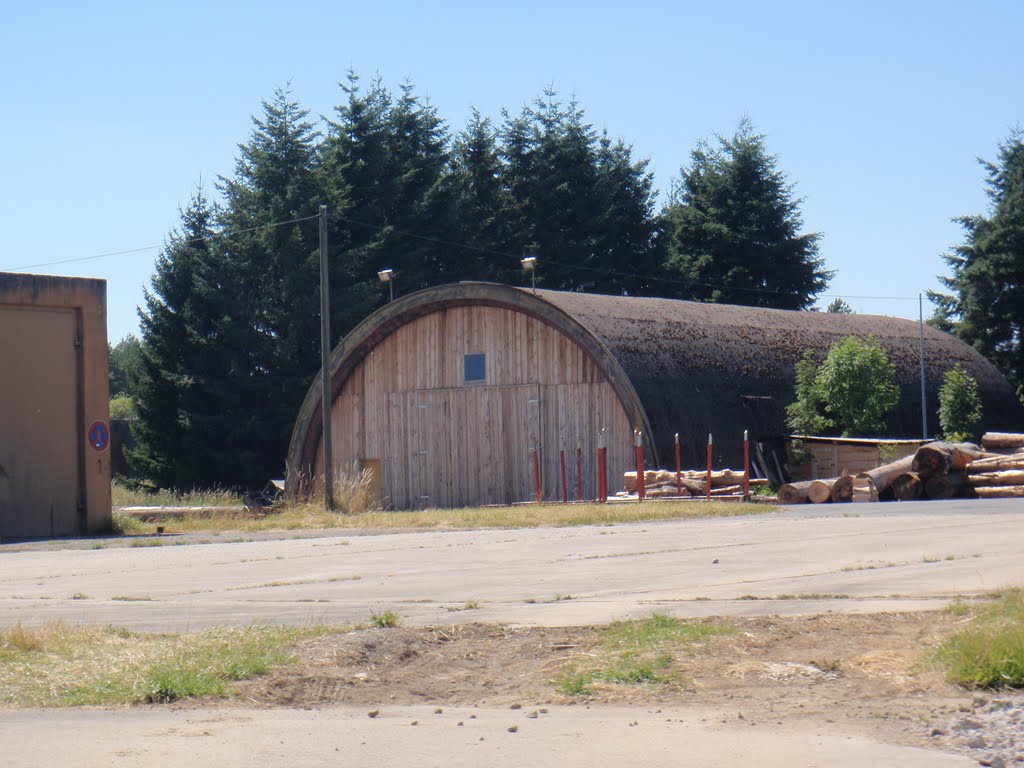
(54, 475)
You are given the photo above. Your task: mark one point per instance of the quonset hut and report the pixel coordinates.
(445, 394)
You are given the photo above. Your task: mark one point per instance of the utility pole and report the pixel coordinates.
(924, 401)
(325, 353)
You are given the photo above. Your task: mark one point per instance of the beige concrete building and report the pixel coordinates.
(54, 419)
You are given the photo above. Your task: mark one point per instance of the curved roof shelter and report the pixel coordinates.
(409, 405)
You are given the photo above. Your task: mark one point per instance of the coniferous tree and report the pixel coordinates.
(272, 334)
(169, 380)
(986, 306)
(480, 201)
(733, 229)
(578, 201)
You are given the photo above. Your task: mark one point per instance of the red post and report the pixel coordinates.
(579, 469)
(565, 488)
(707, 485)
(638, 435)
(538, 493)
(679, 469)
(746, 464)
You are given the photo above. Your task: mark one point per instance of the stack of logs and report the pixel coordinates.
(662, 482)
(936, 471)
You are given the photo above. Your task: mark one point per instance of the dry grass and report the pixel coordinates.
(123, 496)
(59, 664)
(313, 517)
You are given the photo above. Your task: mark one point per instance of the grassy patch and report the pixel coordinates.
(123, 496)
(384, 619)
(637, 652)
(312, 517)
(990, 652)
(62, 665)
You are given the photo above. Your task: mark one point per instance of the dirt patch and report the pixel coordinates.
(863, 673)
(868, 666)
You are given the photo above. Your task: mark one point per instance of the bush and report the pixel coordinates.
(959, 405)
(851, 392)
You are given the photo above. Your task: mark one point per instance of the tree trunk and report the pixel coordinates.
(1001, 492)
(820, 491)
(906, 486)
(945, 486)
(1002, 440)
(842, 489)
(941, 458)
(884, 475)
(794, 493)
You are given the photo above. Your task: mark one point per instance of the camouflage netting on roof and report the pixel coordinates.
(700, 368)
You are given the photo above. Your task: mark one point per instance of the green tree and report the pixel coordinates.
(268, 322)
(125, 363)
(577, 200)
(959, 405)
(480, 199)
(857, 386)
(169, 383)
(986, 303)
(732, 229)
(839, 306)
(805, 414)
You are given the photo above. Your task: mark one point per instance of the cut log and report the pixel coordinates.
(842, 490)
(820, 491)
(996, 464)
(907, 486)
(794, 493)
(884, 475)
(940, 458)
(657, 477)
(1009, 477)
(1002, 440)
(945, 486)
(864, 490)
(1000, 492)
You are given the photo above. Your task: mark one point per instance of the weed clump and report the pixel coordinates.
(990, 653)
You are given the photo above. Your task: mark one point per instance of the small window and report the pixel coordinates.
(474, 368)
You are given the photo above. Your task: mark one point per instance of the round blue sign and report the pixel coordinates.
(99, 436)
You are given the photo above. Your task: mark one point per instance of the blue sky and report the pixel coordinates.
(877, 111)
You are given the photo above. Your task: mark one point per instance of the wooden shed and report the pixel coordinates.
(827, 457)
(445, 394)
(55, 436)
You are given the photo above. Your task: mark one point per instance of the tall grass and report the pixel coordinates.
(989, 653)
(124, 496)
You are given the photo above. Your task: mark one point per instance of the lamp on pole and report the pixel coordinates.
(530, 265)
(388, 276)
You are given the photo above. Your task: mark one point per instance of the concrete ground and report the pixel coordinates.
(850, 558)
(565, 737)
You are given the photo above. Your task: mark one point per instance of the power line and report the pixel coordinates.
(453, 244)
(229, 233)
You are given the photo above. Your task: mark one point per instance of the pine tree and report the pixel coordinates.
(480, 201)
(576, 200)
(271, 337)
(168, 382)
(986, 306)
(733, 229)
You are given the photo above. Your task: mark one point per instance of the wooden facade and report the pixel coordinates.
(547, 365)
(433, 439)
